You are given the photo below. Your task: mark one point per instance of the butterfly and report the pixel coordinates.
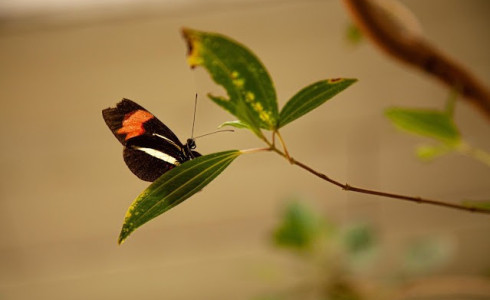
(150, 147)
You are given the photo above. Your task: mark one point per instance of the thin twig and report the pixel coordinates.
(348, 187)
(351, 188)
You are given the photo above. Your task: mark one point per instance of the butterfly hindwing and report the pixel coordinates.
(145, 166)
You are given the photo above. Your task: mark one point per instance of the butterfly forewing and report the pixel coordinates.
(128, 119)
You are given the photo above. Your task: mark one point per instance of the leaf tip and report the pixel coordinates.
(125, 232)
(122, 237)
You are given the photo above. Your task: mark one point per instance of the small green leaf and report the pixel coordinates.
(428, 152)
(251, 93)
(311, 97)
(239, 109)
(237, 124)
(173, 187)
(429, 123)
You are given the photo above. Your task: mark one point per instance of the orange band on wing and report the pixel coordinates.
(133, 122)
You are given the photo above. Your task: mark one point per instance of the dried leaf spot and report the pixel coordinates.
(194, 57)
(334, 80)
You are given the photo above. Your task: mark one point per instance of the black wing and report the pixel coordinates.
(151, 148)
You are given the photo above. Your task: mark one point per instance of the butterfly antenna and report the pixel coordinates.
(194, 118)
(217, 131)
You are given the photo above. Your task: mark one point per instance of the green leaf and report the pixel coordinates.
(429, 123)
(311, 97)
(237, 124)
(251, 93)
(173, 187)
(300, 227)
(428, 153)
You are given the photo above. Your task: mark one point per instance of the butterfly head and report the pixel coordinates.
(191, 144)
(188, 150)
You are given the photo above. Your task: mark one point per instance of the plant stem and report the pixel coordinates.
(348, 187)
(286, 153)
(253, 150)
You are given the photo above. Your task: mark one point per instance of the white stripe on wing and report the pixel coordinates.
(168, 140)
(160, 155)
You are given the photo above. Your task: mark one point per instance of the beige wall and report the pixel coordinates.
(64, 187)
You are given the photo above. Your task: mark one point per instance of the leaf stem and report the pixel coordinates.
(286, 153)
(253, 150)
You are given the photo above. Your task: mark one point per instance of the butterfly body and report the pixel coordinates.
(150, 147)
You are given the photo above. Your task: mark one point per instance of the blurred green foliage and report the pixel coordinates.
(353, 34)
(437, 125)
(300, 228)
(337, 257)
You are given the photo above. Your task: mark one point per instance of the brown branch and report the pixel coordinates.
(348, 187)
(420, 200)
(395, 30)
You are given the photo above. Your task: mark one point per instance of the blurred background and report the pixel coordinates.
(65, 188)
